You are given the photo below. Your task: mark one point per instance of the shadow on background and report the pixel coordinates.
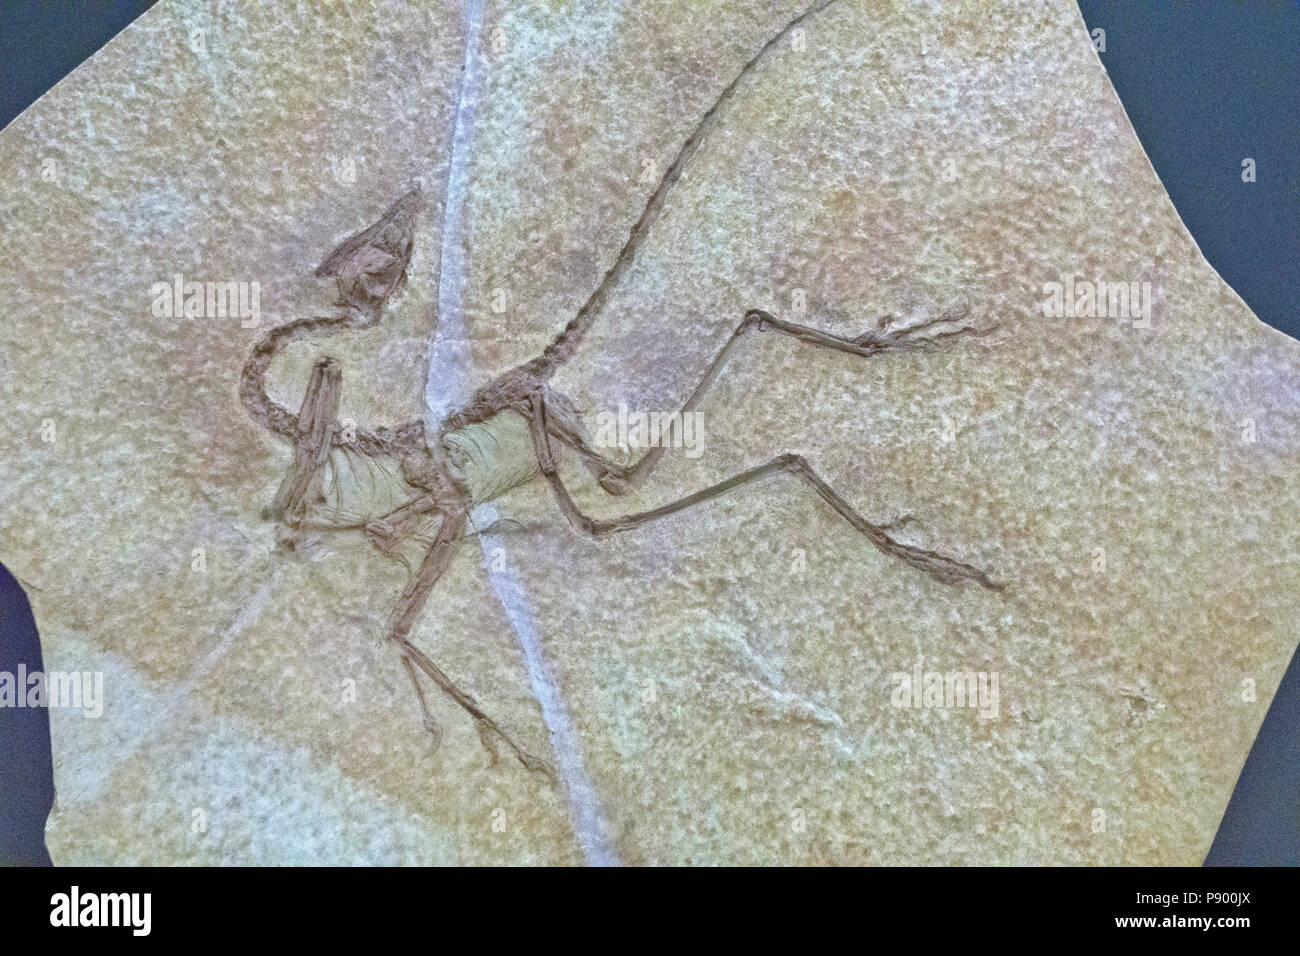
(26, 770)
(1205, 87)
(41, 41)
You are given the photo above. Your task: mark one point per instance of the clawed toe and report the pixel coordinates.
(537, 765)
(899, 522)
(435, 729)
(489, 733)
(886, 335)
(938, 566)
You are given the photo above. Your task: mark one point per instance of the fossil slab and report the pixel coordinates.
(720, 686)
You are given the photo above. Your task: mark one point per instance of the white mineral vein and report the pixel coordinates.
(447, 385)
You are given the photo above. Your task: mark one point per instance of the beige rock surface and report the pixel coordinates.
(728, 701)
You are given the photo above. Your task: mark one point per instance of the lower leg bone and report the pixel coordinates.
(942, 568)
(618, 480)
(408, 610)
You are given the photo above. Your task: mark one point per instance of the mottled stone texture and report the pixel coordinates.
(728, 671)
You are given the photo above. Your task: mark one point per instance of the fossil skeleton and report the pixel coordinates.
(509, 431)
